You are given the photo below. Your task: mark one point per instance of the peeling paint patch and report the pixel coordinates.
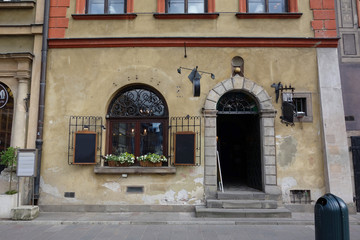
(54, 169)
(287, 151)
(182, 196)
(287, 184)
(47, 188)
(113, 186)
(199, 180)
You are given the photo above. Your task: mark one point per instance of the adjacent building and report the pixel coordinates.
(250, 86)
(348, 14)
(21, 27)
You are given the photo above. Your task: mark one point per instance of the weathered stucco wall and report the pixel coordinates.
(225, 25)
(15, 44)
(83, 81)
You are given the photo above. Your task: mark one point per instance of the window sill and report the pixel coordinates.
(16, 4)
(127, 16)
(268, 15)
(186, 15)
(134, 169)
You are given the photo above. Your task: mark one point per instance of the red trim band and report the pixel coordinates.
(186, 15)
(194, 42)
(128, 16)
(268, 15)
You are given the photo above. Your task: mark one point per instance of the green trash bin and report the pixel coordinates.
(331, 218)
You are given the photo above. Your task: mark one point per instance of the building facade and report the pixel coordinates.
(21, 27)
(349, 58)
(113, 73)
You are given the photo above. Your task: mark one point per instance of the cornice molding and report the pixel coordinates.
(194, 42)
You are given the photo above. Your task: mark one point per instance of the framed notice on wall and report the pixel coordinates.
(85, 143)
(184, 148)
(26, 162)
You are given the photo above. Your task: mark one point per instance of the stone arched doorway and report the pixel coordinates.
(266, 113)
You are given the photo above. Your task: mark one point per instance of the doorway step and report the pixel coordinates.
(243, 204)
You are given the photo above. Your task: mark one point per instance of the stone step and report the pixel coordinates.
(247, 195)
(202, 211)
(242, 204)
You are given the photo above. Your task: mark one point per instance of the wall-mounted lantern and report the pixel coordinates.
(287, 106)
(195, 77)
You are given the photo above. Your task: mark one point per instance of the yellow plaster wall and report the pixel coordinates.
(11, 16)
(83, 81)
(226, 25)
(10, 44)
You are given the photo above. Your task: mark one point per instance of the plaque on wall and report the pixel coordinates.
(26, 162)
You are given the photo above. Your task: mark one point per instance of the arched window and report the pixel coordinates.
(6, 115)
(137, 122)
(237, 103)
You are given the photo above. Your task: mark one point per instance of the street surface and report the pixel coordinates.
(28, 231)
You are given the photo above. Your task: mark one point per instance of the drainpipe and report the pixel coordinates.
(39, 138)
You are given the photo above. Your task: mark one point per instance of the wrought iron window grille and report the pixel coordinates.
(300, 196)
(237, 103)
(137, 102)
(80, 123)
(182, 124)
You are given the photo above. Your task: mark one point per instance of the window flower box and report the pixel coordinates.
(151, 160)
(122, 160)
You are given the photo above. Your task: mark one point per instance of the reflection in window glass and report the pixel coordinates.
(256, 6)
(276, 6)
(151, 138)
(196, 6)
(271, 6)
(96, 7)
(116, 6)
(123, 138)
(176, 6)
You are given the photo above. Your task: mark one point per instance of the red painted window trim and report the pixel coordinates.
(81, 6)
(268, 15)
(293, 6)
(127, 16)
(186, 15)
(161, 6)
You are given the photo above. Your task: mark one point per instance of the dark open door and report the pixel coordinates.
(355, 147)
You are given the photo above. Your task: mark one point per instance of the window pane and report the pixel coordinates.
(277, 6)
(96, 6)
(196, 6)
(151, 138)
(123, 138)
(300, 105)
(176, 6)
(116, 6)
(256, 6)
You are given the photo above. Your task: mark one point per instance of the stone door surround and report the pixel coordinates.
(267, 115)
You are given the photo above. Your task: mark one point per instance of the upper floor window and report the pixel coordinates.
(106, 6)
(267, 6)
(186, 6)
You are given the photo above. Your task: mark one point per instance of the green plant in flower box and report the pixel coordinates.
(152, 157)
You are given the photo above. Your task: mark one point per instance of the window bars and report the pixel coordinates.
(80, 123)
(185, 124)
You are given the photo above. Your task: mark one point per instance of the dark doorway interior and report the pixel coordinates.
(239, 150)
(355, 147)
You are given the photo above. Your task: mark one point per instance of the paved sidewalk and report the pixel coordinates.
(165, 218)
(161, 226)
